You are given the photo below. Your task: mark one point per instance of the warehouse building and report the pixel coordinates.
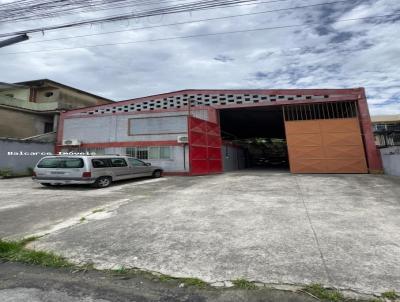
(197, 132)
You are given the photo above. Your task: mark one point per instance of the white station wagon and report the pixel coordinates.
(99, 171)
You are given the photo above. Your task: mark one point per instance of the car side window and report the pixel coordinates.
(136, 162)
(118, 162)
(100, 163)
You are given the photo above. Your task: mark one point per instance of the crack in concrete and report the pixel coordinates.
(328, 276)
(90, 215)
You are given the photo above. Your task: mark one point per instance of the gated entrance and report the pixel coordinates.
(324, 138)
(204, 147)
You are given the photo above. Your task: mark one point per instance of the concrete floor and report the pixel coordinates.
(339, 230)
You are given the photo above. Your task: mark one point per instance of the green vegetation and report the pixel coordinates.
(163, 278)
(6, 173)
(97, 211)
(391, 295)
(324, 294)
(186, 281)
(9, 173)
(193, 282)
(126, 272)
(82, 219)
(121, 271)
(15, 251)
(244, 284)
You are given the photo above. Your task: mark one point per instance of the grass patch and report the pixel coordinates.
(82, 219)
(15, 251)
(244, 284)
(97, 211)
(121, 271)
(164, 278)
(391, 295)
(193, 282)
(324, 294)
(131, 272)
(186, 281)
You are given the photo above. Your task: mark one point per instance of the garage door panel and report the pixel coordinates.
(344, 152)
(336, 147)
(306, 139)
(346, 165)
(307, 151)
(340, 125)
(342, 139)
(306, 127)
(302, 165)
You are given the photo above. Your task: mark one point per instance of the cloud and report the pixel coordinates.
(224, 58)
(341, 37)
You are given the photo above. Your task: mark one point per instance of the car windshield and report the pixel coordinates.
(61, 162)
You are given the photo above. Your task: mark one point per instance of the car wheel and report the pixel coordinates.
(46, 184)
(157, 173)
(102, 182)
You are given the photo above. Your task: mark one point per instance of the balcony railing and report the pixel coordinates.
(381, 128)
(9, 101)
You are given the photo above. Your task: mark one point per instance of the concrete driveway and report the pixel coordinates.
(338, 230)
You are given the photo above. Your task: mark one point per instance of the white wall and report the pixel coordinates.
(106, 129)
(175, 164)
(103, 129)
(391, 160)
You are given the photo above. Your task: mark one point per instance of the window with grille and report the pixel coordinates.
(142, 153)
(150, 152)
(331, 110)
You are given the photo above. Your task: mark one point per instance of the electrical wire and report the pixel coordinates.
(86, 8)
(191, 21)
(308, 24)
(47, 10)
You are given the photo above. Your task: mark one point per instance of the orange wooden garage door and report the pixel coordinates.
(325, 146)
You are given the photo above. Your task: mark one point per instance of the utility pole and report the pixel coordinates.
(14, 40)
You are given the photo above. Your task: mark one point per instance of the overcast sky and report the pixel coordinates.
(328, 54)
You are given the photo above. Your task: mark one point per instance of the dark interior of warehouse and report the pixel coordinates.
(260, 131)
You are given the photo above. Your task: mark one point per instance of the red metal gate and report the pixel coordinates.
(204, 147)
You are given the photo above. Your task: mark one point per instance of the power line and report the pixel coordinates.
(189, 7)
(84, 8)
(308, 24)
(192, 21)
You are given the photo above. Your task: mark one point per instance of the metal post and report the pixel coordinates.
(14, 40)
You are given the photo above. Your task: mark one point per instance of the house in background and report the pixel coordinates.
(32, 108)
(29, 113)
(387, 138)
(386, 130)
